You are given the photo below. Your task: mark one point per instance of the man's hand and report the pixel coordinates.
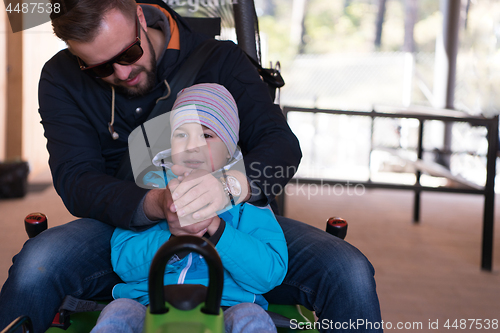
(196, 191)
(157, 206)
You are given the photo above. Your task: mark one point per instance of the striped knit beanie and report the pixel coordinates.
(214, 107)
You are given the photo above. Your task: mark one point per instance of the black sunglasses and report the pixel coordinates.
(128, 56)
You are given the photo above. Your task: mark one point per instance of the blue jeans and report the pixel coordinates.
(325, 274)
(127, 316)
(122, 315)
(329, 276)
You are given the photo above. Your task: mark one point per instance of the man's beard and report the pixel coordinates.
(149, 83)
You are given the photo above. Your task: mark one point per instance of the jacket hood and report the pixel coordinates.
(172, 58)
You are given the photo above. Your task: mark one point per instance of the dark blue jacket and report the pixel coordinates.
(76, 109)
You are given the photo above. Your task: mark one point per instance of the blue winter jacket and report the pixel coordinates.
(252, 248)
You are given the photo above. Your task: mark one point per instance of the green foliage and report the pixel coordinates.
(331, 27)
(426, 32)
(276, 36)
(478, 62)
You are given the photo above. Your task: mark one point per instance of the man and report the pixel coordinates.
(120, 60)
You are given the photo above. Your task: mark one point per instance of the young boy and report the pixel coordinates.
(249, 240)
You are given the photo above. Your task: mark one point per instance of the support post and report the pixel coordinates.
(416, 200)
(14, 93)
(489, 197)
(446, 65)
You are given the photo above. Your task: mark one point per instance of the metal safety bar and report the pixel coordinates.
(488, 191)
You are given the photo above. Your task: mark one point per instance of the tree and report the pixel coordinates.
(379, 23)
(411, 11)
(297, 28)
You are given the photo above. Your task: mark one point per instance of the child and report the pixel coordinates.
(249, 240)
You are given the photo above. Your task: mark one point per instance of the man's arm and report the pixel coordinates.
(271, 151)
(81, 148)
(75, 112)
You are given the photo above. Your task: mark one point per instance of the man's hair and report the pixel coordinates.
(80, 20)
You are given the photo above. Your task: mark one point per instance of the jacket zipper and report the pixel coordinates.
(182, 276)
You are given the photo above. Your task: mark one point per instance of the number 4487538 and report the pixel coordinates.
(34, 7)
(468, 324)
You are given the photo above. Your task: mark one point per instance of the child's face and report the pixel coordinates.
(198, 147)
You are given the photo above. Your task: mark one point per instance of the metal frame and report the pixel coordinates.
(446, 116)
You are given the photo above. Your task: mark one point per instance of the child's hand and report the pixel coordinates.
(197, 193)
(181, 172)
(196, 229)
(214, 225)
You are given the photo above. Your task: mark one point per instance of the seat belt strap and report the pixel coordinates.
(75, 305)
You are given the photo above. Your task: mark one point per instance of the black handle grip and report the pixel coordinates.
(35, 223)
(337, 227)
(185, 244)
